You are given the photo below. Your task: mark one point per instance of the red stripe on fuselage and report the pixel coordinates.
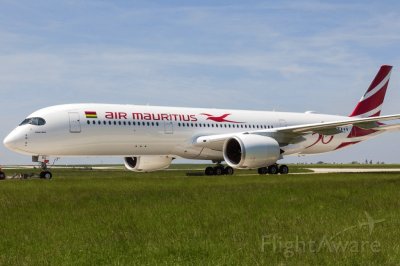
(345, 144)
(360, 132)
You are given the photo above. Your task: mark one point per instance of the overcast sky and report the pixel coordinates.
(261, 55)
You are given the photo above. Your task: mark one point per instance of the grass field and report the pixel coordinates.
(124, 218)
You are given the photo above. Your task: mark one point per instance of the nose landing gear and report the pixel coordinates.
(43, 161)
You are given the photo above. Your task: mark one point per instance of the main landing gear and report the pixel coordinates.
(219, 170)
(274, 169)
(43, 161)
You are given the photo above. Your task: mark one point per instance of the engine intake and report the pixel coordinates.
(251, 151)
(147, 163)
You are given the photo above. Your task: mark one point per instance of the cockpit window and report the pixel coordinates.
(36, 121)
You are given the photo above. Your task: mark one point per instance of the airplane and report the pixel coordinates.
(150, 137)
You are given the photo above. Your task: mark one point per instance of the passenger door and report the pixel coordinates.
(74, 122)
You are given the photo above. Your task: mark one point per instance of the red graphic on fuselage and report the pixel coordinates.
(220, 118)
(321, 138)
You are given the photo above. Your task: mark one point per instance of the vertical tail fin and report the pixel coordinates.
(371, 103)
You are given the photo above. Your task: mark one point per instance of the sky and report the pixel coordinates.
(260, 55)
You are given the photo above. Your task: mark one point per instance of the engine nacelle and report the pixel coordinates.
(147, 163)
(251, 151)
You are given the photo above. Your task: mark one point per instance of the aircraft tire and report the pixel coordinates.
(283, 169)
(229, 170)
(262, 170)
(2, 176)
(46, 175)
(209, 171)
(218, 170)
(273, 169)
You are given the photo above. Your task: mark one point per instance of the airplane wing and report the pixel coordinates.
(388, 127)
(293, 134)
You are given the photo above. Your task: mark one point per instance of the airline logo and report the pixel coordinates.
(370, 104)
(220, 118)
(90, 114)
(161, 117)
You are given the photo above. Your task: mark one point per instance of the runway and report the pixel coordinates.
(353, 170)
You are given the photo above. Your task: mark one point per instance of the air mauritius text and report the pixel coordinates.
(151, 116)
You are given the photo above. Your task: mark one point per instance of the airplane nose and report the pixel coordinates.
(12, 141)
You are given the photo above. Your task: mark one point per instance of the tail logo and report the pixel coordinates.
(370, 104)
(220, 119)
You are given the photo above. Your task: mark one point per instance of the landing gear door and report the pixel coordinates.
(74, 122)
(168, 127)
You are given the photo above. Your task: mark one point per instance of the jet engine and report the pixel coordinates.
(251, 151)
(147, 163)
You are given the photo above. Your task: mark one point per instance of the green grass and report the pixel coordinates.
(124, 218)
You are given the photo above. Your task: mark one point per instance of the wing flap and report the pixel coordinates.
(393, 127)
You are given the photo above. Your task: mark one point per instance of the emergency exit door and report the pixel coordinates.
(168, 127)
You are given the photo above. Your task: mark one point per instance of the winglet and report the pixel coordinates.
(371, 103)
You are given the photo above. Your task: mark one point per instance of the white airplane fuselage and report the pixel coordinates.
(130, 130)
